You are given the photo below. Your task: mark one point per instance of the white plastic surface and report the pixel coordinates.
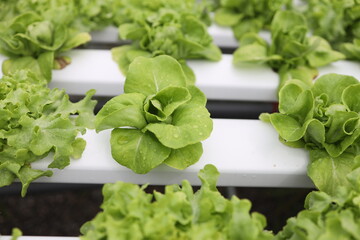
(351, 68)
(218, 80)
(246, 153)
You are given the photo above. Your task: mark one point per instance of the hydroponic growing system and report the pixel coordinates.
(245, 152)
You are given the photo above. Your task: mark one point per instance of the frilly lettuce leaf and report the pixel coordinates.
(328, 216)
(178, 213)
(336, 21)
(159, 118)
(84, 15)
(42, 65)
(36, 121)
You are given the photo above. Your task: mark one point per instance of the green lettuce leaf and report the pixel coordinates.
(333, 170)
(150, 75)
(336, 21)
(182, 158)
(351, 50)
(33, 39)
(328, 216)
(35, 122)
(248, 16)
(324, 118)
(124, 55)
(160, 118)
(290, 48)
(178, 213)
(190, 124)
(141, 152)
(121, 111)
(164, 28)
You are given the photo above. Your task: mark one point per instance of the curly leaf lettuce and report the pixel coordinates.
(323, 118)
(83, 15)
(36, 121)
(337, 21)
(328, 216)
(158, 119)
(179, 213)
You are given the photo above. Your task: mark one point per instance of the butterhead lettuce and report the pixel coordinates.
(163, 28)
(34, 41)
(323, 118)
(245, 16)
(160, 118)
(290, 46)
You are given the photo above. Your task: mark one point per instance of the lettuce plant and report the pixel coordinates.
(95, 14)
(327, 216)
(36, 121)
(160, 118)
(324, 119)
(338, 22)
(351, 50)
(248, 16)
(128, 212)
(290, 46)
(83, 15)
(130, 11)
(180, 34)
(35, 41)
